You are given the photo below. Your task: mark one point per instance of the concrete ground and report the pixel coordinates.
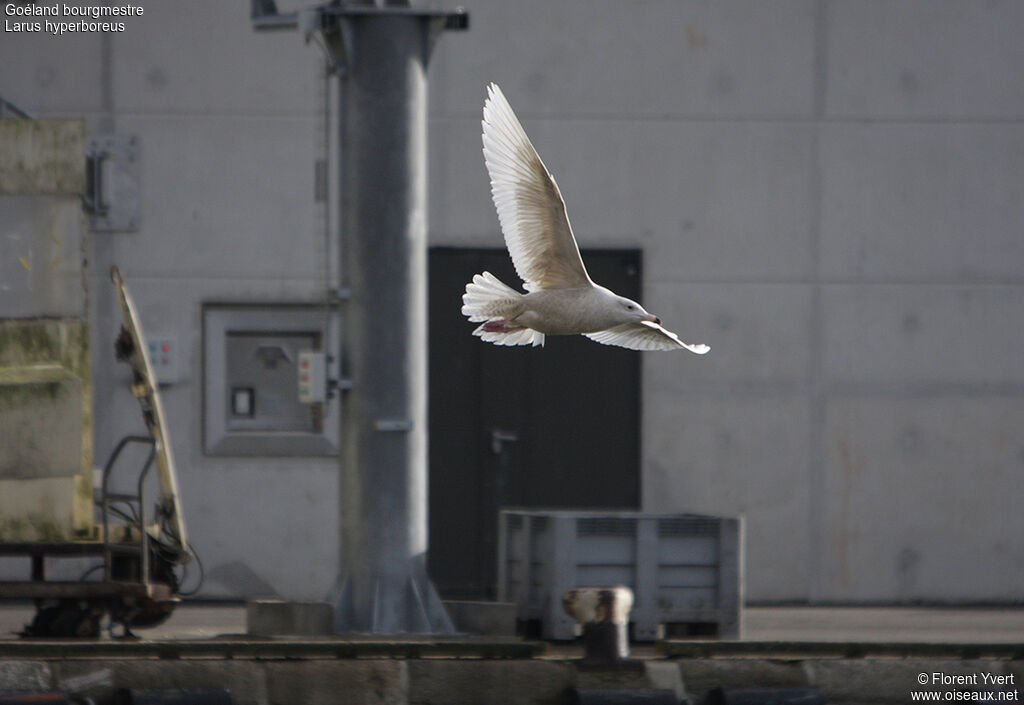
(884, 624)
(827, 624)
(826, 651)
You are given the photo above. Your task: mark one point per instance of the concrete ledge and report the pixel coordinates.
(23, 675)
(414, 647)
(100, 678)
(889, 681)
(850, 649)
(518, 682)
(490, 648)
(372, 682)
(464, 672)
(701, 675)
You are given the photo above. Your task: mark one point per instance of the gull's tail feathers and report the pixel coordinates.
(495, 305)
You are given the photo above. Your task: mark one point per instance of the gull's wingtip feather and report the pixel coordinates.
(493, 94)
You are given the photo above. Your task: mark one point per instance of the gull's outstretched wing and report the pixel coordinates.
(530, 207)
(645, 335)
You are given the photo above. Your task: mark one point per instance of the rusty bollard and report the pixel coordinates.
(603, 612)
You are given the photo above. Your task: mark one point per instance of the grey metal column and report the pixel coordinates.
(381, 51)
(385, 587)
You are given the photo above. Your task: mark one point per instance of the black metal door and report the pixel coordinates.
(556, 426)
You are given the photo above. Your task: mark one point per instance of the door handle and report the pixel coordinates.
(499, 437)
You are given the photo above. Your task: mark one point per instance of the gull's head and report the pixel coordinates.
(632, 312)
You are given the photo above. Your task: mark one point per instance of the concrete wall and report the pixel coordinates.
(830, 194)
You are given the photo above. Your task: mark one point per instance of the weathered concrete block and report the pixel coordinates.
(45, 429)
(370, 682)
(42, 256)
(40, 422)
(883, 680)
(102, 677)
(39, 509)
(63, 342)
(96, 680)
(282, 617)
(665, 675)
(611, 679)
(24, 675)
(465, 682)
(42, 156)
(701, 675)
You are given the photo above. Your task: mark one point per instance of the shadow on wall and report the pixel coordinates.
(240, 580)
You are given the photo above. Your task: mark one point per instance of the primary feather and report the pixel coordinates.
(529, 204)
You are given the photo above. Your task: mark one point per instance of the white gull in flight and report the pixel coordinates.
(561, 298)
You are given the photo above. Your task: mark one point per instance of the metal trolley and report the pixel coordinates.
(135, 580)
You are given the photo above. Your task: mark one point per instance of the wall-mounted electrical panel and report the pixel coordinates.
(265, 381)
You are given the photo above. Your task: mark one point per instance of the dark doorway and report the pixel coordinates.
(557, 426)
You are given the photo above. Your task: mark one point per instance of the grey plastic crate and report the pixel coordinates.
(685, 570)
